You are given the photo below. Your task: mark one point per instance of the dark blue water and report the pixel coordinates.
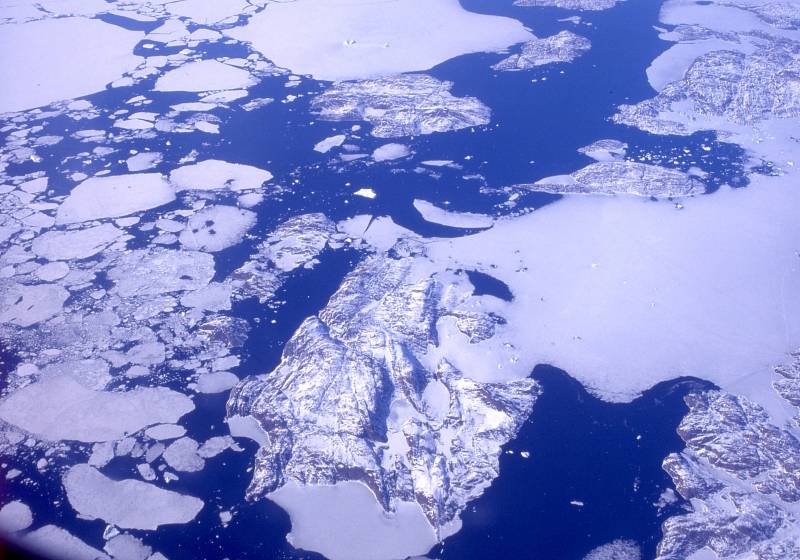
(607, 456)
(581, 448)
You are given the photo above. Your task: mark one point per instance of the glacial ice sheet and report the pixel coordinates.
(128, 503)
(79, 57)
(356, 39)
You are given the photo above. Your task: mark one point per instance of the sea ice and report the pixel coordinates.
(213, 174)
(436, 215)
(346, 39)
(55, 542)
(360, 529)
(60, 408)
(162, 432)
(204, 75)
(129, 503)
(158, 271)
(15, 516)
(75, 244)
(182, 455)
(26, 305)
(143, 161)
(327, 144)
(114, 196)
(216, 228)
(391, 151)
(79, 57)
(216, 382)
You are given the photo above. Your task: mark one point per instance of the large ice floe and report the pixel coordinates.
(406, 105)
(80, 56)
(355, 39)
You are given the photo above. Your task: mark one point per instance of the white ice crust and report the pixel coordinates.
(129, 504)
(60, 408)
(214, 174)
(204, 75)
(114, 196)
(360, 530)
(61, 58)
(352, 39)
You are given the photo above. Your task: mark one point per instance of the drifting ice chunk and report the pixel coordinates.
(80, 244)
(158, 271)
(15, 516)
(204, 75)
(216, 382)
(182, 455)
(391, 151)
(60, 408)
(143, 161)
(55, 542)
(216, 228)
(165, 431)
(27, 305)
(129, 504)
(114, 196)
(213, 174)
(324, 146)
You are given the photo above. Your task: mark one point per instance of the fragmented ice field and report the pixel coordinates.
(588, 5)
(406, 105)
(623, 177)
(80, 56)
(565, 46)
(356, 39)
